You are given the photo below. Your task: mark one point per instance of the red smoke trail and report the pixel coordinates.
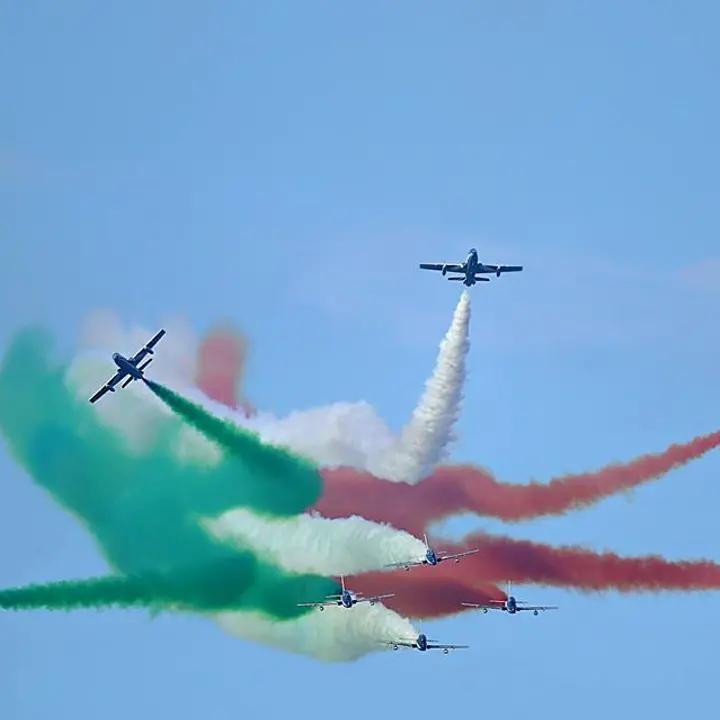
(463, 488)
(425, 593)
(220, 362)
(450, 489)
(502, 558)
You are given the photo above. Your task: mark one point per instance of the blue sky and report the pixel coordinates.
(286, 166)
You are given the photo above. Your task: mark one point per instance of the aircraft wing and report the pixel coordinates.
(401, 643)
(375, 598)
(329, 600)
(538, 607)
(489, 605)
(458, 555)
(111, 383)
(450, 267)
(139, 356)
(438, 646)
(408, 564)
(482, 268)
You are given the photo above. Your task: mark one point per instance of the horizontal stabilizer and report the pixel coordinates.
(461, 278)
(480, 278)
(145, 364)
(127, 382)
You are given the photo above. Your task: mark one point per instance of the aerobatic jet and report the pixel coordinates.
(129, 369)
(472, 270)
(347, 598)
(422, 644)
(431, 557)
(510, 605)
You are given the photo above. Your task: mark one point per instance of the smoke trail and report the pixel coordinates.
(335, 635)
(350, 434)
(340, 434)
(502, 558)
(363, 440)
(220, 585)
(142, 509)
(354, 436)
(423, 442)
(289, 483)
(429, 595)
(307, 544)
(457, 489)
(221, 361)
(220, 365)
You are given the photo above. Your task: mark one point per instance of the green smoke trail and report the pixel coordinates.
(142, 508)
(213, 587)
(296, 480)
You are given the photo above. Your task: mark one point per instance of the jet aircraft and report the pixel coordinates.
(431, 557)
(422, 644)
(510, 605)
(471, 270)
(347, 598)
(129, 368)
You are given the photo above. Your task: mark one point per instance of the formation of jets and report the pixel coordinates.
(468, 272)
(471, 270)
(348, 599)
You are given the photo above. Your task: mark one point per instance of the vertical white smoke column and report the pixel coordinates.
(424, 440)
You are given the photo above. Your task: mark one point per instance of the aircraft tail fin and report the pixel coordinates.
(427, 545)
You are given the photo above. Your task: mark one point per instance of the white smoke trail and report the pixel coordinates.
(353, 435)
(349, 434)
(423, 442)
(315, 545)
(334, 635)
